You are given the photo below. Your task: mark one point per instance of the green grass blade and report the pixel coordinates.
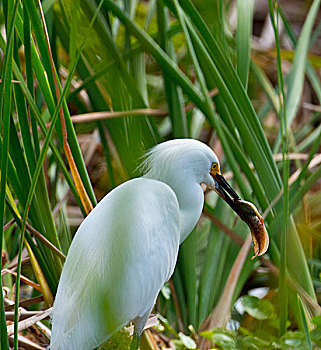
(118, 84)
(243, 39)
(305, 324)
(266, 86)
(209, 281)
(173, 93)
(29, 74)
(187, 266)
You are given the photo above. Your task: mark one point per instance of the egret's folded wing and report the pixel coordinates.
(121, 256)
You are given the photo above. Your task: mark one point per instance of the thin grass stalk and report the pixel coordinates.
(173, 93)
(29, 75)
(5, 107)
(208, 108)
(305, 323)
(34, 262)
(283, 292)
(107, 154)
(304, 170)
(243, 39)
(40, 214)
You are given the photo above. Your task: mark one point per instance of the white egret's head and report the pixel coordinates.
(183, 160)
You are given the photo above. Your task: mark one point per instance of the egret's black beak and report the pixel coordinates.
(223, 189)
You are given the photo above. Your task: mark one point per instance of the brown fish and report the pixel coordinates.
(246, 210)
(250, 215)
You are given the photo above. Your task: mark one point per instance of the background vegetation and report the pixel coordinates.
(87, 86)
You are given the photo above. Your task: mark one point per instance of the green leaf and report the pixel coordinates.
(187, 341)
(261, 309)
(251, 342)
(224, 338)
(293, 340)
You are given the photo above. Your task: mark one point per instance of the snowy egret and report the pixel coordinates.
(126, 248)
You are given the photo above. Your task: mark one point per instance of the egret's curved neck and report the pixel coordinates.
(191, 199)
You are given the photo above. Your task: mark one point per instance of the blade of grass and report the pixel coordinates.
(45, 290)
(266, 85)
(243, 39)
(216, 249)
(107, 155)
(29, 74)
(173, 93)
(24, 160)
(222, 312)
(232, 91)
(305, 323)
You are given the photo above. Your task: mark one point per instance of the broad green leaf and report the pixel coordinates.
(261, 309)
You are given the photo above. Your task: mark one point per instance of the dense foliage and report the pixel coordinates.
(87, 86)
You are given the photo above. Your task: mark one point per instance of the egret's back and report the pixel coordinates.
(117, 263)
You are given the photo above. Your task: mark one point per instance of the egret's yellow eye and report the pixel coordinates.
(215, 169)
